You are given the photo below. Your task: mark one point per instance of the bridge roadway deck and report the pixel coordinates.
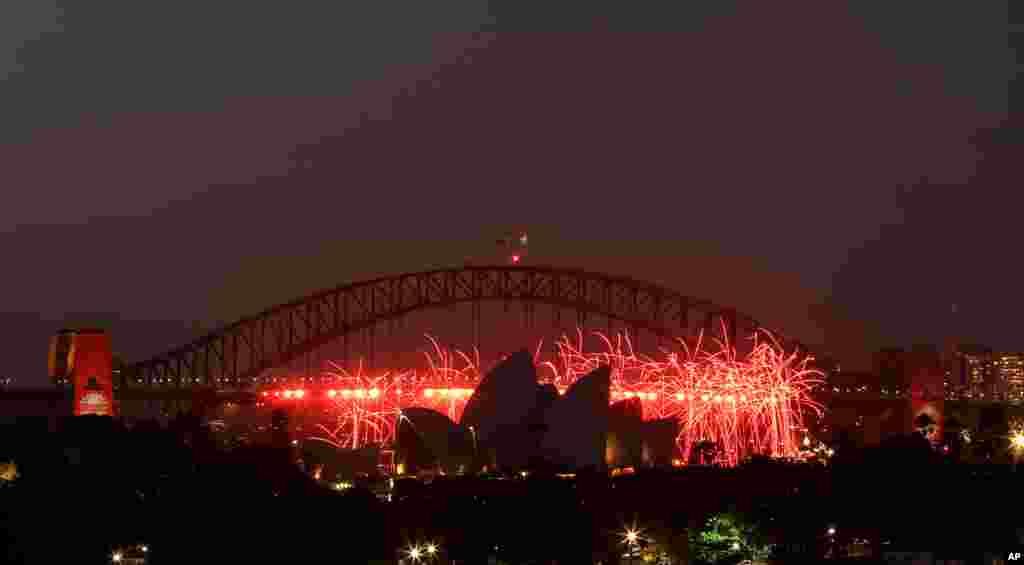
(56, 401)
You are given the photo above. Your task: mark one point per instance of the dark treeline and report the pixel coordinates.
(93, 486)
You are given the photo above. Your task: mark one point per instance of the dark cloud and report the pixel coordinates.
(184, 161)
(117, 56)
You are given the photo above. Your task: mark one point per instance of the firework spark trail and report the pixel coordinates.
(448, 386)
(365, 408)
(744, 405)
(632, 375)
(751, 405)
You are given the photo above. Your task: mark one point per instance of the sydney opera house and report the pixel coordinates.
(512, 423)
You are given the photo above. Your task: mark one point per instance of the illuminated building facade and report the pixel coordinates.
(976, 372)
(1008, 370)
(980, 373)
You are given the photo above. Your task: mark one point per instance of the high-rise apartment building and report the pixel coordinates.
(969, 372)
(1008, 370)
(978, 368)
(982, 373)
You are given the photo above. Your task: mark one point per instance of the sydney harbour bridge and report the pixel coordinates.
(355, 321)
(671, 357)
(348, 348)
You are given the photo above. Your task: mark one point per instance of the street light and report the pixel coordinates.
(1017, 446)
(1017, 440)
(832, 546)
(116, 557)
(631, 537)
(476, 455)
(431, 549)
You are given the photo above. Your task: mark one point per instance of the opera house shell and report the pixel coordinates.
(428, 439)
(512, 422)
(633, 442)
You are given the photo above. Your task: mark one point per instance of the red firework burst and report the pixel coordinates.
(754, 404)
(365, 408)
(742, 405)
(450, 379)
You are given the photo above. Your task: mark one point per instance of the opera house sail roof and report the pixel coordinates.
(513, 422)
(500, 410)
(577, 424)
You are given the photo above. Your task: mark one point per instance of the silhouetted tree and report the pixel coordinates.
(844, 449)
(984, 448)
(729, 537)
(953, 438)
(993, 420)
(924, 424)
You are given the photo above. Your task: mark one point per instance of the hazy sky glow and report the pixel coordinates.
(185, 163)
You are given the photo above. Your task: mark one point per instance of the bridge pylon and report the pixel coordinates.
(83, 359)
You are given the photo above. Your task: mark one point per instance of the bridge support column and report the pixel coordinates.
(371, 354)
(392, 327)
(84, 358)
(344, 350)
(476, 325)
(528, 311)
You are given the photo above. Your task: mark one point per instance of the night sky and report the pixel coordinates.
(847, 173)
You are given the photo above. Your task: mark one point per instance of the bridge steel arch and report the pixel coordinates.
(231, 356)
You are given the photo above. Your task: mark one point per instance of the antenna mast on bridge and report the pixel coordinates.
(515, 247)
